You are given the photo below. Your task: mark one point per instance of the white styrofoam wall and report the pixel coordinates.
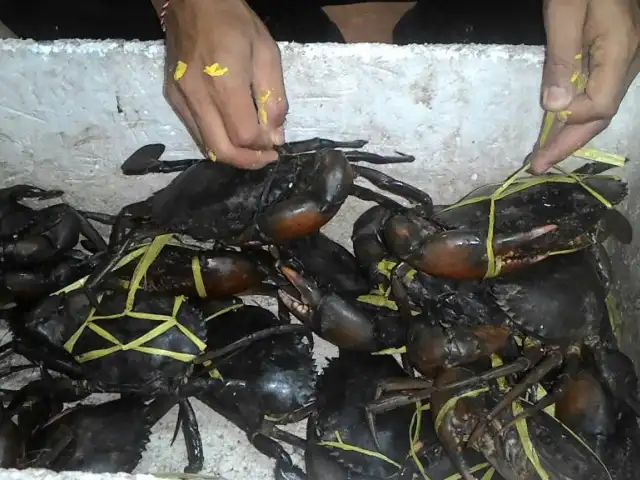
(469, 113)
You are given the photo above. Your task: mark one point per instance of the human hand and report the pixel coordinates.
(224, 80)
(601, 39)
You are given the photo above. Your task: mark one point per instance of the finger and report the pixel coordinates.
(565, 143)
(174, 70)
(212, 127)
(232, 94)
(178, 103)
(610, 56)
(564, 24)
(268, 90)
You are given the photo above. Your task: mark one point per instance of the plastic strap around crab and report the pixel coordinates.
(529, 450)
(391, 351)
(143, 265)
(224, 310)
(196, 269)
(352, 448)
(489, 474)
(613, 314)
(414, 434)
(476, 468)
(521, 425)
(167, 322)
(128, 258)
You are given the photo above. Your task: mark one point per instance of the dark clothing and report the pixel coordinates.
(430, 21)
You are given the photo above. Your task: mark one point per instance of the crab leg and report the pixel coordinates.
(376, 159)
(192, 438)
(553, 360)
(394, 186)
(147, 160)
(570, 371)
(318, 143)
(388, 403)
(18, 192)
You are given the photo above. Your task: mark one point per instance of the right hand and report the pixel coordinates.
(219, 109)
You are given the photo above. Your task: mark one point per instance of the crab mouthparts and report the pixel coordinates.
(300, 310)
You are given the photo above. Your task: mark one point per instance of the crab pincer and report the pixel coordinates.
(459, 254)
(330, 316)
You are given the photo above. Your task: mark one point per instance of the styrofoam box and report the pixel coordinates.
(72, 111)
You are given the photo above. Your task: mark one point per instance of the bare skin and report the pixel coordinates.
(607, 34)
(219, 109)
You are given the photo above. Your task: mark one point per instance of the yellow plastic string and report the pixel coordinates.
(338, 443)
(131, 256)
(523, 432)
(378, 301)
(481, 466)
(166, 322)
(196, 269)
(224, 310)
(150, 256)
(614, 314)
(391, 351)
(414, 435)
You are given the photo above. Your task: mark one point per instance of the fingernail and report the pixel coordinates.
(270, 156)
(537, 168)
(277, 136)
(555, 97)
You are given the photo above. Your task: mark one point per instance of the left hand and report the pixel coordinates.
(607, 34)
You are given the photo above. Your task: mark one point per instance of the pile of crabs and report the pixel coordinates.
(475, 340)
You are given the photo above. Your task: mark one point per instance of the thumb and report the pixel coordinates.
(564, 24)
(268, 89)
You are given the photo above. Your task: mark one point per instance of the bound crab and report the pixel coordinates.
(531, 448)
(341, 445)
(558, 306)
(179, 269)
(290, 198)
(30, 237)
(499, 229)
(142, 343)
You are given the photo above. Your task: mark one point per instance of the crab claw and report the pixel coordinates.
(458, 254)
(329, 316)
